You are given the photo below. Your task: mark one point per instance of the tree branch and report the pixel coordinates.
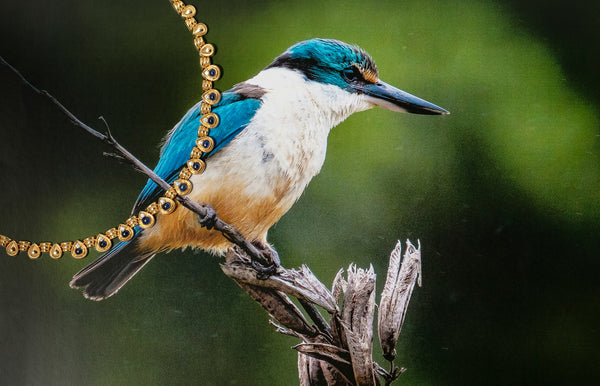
(204, 212)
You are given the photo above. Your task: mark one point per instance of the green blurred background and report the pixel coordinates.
(504, 194)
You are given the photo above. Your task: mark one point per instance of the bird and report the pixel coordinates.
(270, 142)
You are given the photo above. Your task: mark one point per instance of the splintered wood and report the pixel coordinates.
(338, 351)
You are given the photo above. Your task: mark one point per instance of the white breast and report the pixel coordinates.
(287, 138)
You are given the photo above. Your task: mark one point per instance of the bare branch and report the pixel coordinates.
(204, 212)
(45, 93)
(301, 284)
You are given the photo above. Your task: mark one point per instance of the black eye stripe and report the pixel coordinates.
(353, 74)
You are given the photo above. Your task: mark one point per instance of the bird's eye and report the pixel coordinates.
(352, 74)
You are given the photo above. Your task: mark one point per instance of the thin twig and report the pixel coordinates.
(204, 212)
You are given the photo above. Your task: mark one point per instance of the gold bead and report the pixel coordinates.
(111, 233)
(132, 221)
(206, 144)
(45, 247)
(182, 186)
(24, 245)
(65, 246)
(205, 108)
(89, 241)
(171, 193)
(202, 131)
(188, 11)
(79, 250)
(190, 22)
(211, 97)
(196, 153)
(56, 251)
(207, 50)
(34, 251)
(212, 72)
(206, 84)
(152, 208)
(12, 249)
(103, 243)
(4, 241)
(185, 174)
(200, 29)
(146, 220)
(204, 61)
(166, 205)
(196, 166)
(125, 232)
(178, 5)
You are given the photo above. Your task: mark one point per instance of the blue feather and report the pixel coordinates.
(235, 112)
(324, 60)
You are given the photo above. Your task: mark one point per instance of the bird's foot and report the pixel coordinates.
(270, 262)
(209, 220)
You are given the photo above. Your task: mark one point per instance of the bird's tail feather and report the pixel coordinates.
(107, 274)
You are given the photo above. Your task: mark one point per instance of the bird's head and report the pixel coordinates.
(332, 62)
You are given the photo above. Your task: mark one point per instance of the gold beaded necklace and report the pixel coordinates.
(166, 204)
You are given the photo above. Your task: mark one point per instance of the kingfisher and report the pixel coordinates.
(270, 142)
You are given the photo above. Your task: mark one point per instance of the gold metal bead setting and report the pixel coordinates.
(34, 251)
(103, 243)
(125, 232)
(196, 166)
(199, 29)
(166, 205)
(12, 249)
(206, 144)
(211, 73)
(79, 250)
(211, 97)
(188, 11)
(56, 251)
(207, 50)
(146, 220)
(210, 120)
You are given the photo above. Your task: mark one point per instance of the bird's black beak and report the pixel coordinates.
(392, 98)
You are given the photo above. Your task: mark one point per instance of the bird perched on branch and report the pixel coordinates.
(270, 142)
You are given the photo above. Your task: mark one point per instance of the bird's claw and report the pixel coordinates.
(269, 263)
(209, 220)
(263, 272)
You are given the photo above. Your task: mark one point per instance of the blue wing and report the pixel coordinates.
(113, 269)
(235, 112)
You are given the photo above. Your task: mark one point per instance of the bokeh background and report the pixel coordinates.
(504, 194)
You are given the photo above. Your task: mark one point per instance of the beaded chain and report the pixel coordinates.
(166, 204)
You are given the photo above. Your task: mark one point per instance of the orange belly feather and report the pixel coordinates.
(251, 215)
